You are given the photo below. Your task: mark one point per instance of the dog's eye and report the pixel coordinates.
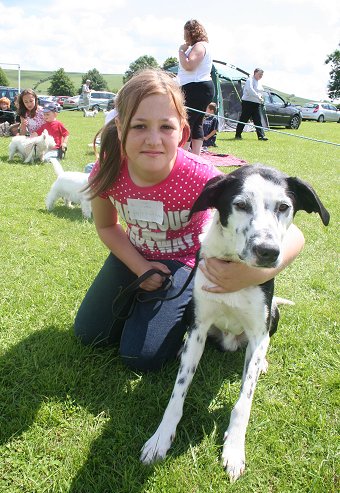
(283, 207)
(241, 205)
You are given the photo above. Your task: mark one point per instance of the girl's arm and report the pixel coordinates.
(23, 126)
(228, 277)
(195, 57)
(115, 238)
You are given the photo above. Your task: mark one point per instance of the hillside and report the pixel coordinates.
(31, 77)
(115, 81)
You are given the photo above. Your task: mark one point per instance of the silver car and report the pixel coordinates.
(98, 100)
(321, 112)
(71, 103)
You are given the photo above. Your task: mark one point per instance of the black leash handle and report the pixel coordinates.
(123, 293)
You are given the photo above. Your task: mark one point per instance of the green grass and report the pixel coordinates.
(73, 419)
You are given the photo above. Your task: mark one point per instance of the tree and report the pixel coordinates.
(334, 83)
(61, 84)
(170, 62)
(98, 83)
(142, 62)
(3, 78)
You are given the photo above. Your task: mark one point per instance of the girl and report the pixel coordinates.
(31, 115)
(144, 177)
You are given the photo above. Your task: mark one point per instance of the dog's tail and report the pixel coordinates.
(58, 169)
(283, 301)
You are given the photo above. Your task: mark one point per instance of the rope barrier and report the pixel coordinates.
(270, 129)
(303, 137)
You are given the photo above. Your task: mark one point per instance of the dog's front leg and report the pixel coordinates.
(158, 445)
(233, 455)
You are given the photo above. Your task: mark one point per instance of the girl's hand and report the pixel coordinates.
(155, 281)
(228, 277)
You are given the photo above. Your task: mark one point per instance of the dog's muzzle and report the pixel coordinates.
(266, 254)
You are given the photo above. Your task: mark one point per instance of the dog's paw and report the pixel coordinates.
(155, 448)
(233, 459)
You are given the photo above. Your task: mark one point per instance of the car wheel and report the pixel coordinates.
(294, 122)
(321, 119)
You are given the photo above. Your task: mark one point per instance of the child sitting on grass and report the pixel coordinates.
(210, 126)
(56, 129)
(6, 114)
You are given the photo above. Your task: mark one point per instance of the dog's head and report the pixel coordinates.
(47, 140)
(255, 205)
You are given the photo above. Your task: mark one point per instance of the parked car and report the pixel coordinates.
(98, 100)
(280, 113)
(44, 100)
(60, 99)
(321, 112)
(10, 93)
(71, 103)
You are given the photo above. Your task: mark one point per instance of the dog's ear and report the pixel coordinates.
(210, 194)
(306, 199)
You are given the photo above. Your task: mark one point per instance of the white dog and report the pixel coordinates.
(254, 207)
(69, 186)
(31, 148)
(89, 113)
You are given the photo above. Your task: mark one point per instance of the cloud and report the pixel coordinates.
(290, 40)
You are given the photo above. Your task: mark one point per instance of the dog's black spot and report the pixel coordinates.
(181, 381)
(173, 395)
(193, 369)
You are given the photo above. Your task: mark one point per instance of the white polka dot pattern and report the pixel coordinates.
(175, 238)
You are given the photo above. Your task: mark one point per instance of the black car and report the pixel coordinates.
(280, 113)
(10, 93)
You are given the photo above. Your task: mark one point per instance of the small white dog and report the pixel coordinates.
(31, 148)
(69, 186)
(89, 113)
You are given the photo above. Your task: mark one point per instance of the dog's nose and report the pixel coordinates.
(266, 254)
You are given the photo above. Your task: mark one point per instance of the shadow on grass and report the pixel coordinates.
(70, 213)
(52, 365)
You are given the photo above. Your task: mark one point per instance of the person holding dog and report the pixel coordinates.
(56, 129)
(31, 114)
(144, 178)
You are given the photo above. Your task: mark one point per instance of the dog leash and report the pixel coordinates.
(131, 288)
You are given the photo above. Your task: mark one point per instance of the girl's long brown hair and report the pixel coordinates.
(145, 83)
(22, 108)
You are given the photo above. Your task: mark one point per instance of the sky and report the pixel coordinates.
(289, 39)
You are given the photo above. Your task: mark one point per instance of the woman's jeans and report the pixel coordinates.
(153, 333)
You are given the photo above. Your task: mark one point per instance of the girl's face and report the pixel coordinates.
(29, 101)
(152, 140)
(4, 106)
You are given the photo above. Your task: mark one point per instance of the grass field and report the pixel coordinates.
(73, 419)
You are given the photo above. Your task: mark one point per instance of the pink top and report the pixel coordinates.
(173, 238)
(34, 123)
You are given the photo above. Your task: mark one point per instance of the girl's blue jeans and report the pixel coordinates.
(153, 334)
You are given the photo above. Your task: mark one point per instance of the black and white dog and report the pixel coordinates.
(254, 207)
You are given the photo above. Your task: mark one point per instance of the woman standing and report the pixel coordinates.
(31, 114)
(195, 63)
